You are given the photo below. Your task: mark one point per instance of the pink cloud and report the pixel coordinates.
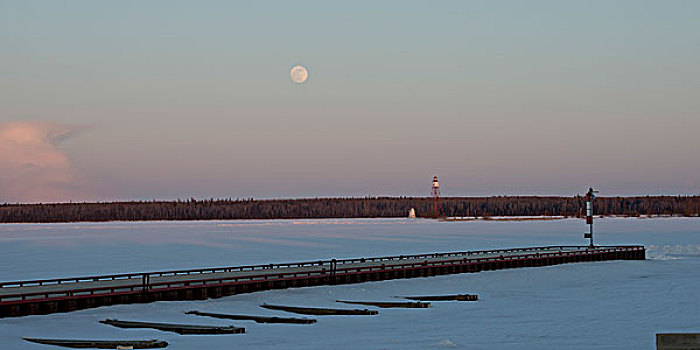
(32, 166)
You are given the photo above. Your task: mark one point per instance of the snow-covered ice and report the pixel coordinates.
(602, 305)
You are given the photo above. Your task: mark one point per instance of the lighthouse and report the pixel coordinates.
(590, 196)
(435, 191)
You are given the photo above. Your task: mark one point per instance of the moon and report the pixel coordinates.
(299, 74)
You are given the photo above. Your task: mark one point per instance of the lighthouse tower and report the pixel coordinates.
(590, 196)
(435, 191)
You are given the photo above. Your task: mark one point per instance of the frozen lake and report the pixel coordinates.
(605, 305)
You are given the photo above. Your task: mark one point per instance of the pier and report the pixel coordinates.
(35, 297)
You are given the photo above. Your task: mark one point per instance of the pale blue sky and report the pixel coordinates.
(193, 99)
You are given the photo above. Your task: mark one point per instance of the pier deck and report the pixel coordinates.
(67, 294)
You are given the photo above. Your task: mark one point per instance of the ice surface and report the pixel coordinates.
(603, 305)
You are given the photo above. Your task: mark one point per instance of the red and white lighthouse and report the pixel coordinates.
(435, 191)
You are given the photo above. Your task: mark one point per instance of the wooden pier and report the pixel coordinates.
(68, 294)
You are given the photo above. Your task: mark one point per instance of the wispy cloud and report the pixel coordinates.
(32, 166)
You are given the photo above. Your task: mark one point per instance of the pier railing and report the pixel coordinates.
(126, 276)
(323, 268)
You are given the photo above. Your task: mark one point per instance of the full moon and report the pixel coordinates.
(299, 74)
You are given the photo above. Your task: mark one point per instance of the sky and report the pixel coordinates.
(177, 99)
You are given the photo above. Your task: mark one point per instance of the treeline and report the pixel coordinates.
(379, 207)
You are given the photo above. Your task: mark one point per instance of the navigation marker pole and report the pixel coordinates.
(590, 196)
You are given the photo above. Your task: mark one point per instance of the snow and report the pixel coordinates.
(514, 218)
(602, 305)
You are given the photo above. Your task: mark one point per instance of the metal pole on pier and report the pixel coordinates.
(590, 196)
